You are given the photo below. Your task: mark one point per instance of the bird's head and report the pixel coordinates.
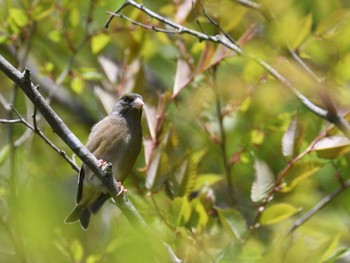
(129, 103)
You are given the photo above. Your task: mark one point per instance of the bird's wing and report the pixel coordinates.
(99, 141)
(95, 146)
(80, 183)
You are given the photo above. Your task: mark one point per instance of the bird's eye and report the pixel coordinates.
(128, 99)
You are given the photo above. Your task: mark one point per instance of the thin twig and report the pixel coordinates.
(305, 66)
(10, 121)
(216, 24)
(142, 25)
(173, 257)
(325, 201)
(37, 131)
(23, 80)
(332, 114)
(307, 103)
(180, 29)
(24, 137)
(229, 43)
(282, 174)
(4, 103)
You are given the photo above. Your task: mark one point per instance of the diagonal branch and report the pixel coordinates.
(59, 127)
(179, 28)
(325, 201)
(104, 173)
(330, 114)
(37, 131)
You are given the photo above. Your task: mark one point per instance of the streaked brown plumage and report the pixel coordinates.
(116, 139)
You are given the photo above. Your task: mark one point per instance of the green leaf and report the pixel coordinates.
(99, 42)
(3, 38)
(18, 16)
(74, 16)
(245, 104)
(233, 222)
(182, 209)
(331, 23)
(277, 213)
(182, 177)
(186, 174)
(77, 85)
(252, 251)
(91, 74)
(257, 137)
(198, 156)
(301, 172)
(93, 258)
(77, 250)
(304, 30)
(199, 216)
(113, 245)
(252, 72)
(207, 179)
(55, 36)
(263, 182)
(332, 147)
(40, 12)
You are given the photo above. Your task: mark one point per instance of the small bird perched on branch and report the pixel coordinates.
(116, 139)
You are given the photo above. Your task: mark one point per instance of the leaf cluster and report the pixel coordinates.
(234, 167)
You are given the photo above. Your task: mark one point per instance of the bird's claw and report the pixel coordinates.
(122, 188)
(101, 163)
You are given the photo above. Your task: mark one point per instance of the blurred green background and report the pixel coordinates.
(218, 131)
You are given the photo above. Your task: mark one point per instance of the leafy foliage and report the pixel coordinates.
(213, 181)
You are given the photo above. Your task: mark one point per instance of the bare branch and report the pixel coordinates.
(226, 41)
(149, 27)
(325, 201)
(10, 121)
(307, 103)
(37, 131)
(283, 173)
(332, 114)
(179, 28)
(216, 24)
(305, 66)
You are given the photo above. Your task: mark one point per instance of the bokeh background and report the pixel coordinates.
(219, 178)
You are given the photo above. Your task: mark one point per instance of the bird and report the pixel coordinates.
(117, 139)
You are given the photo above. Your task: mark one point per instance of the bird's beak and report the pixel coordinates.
(137, 104)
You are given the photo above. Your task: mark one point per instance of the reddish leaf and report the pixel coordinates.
(151, 117)
(182, 78)
(184, 10)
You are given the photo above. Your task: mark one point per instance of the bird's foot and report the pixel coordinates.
(101, 163)
(122, 188)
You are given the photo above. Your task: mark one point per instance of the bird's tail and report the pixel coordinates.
(79, 213)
